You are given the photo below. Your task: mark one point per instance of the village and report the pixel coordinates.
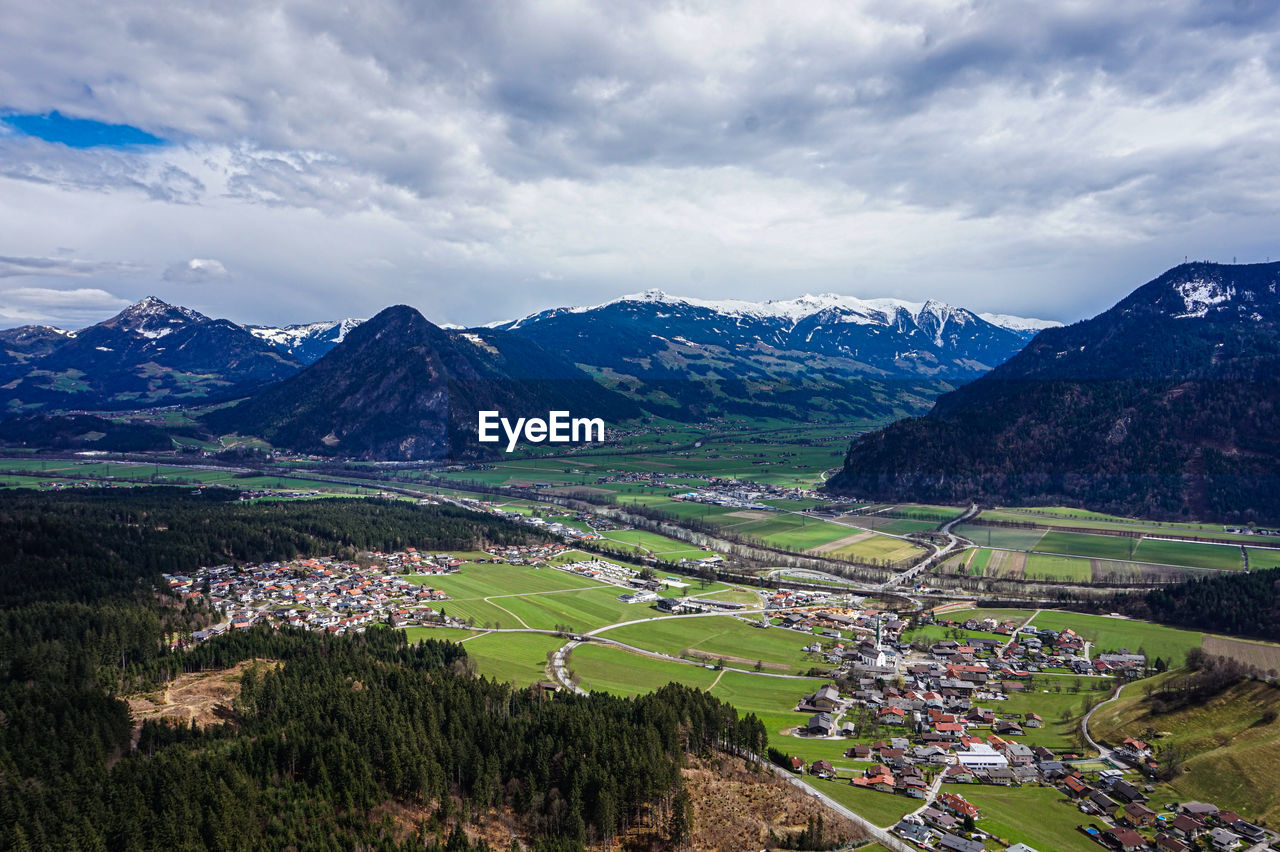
(929, 722)
(341, 596)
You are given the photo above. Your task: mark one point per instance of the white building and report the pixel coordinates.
(982, 756)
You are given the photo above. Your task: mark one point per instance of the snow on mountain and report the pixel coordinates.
(847, 309)
(153, 318)
(306, 341)
(1200, 294)
(1014, 323)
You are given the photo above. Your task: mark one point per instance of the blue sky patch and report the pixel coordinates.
(80, 132)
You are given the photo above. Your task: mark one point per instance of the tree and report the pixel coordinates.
(681, 822)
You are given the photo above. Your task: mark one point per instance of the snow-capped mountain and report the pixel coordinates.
(151, 353)
(1019, 323)
(887, 337)
(308, 342)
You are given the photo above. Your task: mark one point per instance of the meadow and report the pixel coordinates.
(1079, 544)
(999, 537)
(607, 668)
(1230, 748)
(1220, 556)
(1042, 566)
(712, 637)
(1041, 817)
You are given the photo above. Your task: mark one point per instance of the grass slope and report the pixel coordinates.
(1232, 753)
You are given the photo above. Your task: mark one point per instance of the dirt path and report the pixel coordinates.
(203, 697)
(507, 611)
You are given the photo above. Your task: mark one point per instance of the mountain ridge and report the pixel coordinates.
(150, 353)
(401, 387)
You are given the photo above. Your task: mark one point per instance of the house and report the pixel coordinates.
(1075, 785)
(1186, 826)
(1200, 810)
(1139, 815)
(981, 756)
(955, 843)
(958, 805)
(1032, 721)
(822, 769)
(826, 699)
(892, 715)
(1223, 840)
(877, 778)
(941, 819)
(957, 774)
(1169, 843)
(1125, 792)
(821, 725)
(1124, 839)
(914, 786)
(1250, 832)
(1021, 847)
(913, 832)
(1001, 775)
(1100, 800)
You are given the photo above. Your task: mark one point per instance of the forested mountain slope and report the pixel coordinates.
(1165, 406)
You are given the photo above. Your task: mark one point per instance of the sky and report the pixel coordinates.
(298, 161)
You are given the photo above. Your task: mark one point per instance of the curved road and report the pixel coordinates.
(1103, 753)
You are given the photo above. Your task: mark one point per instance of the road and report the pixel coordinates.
(1103, 753)
(954, 543)
(933, 794)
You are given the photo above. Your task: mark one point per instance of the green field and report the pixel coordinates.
(1050, 696)
(517, 657)
(880, 547)
(721, 635)
(448, 634)
(1263, 557)
(999, 537)
(893, 526)
(1041, 817)
(1079, 544)
(583, 609)
(770, 698)
(604, 668)
(646, 543)
(521, 596)
(1081, 518)
(1221, 556)
(1042, 566)
(481, 580)
(974, 561)
(791, 532)
(936, 514)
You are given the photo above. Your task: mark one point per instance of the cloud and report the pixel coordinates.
(1039, 158)
(23, 305)
(197, 270)
(62, 267)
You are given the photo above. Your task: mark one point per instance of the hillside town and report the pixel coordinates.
(926, 720)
